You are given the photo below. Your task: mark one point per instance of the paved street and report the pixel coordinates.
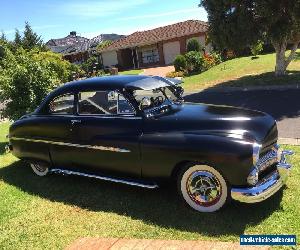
(283, 105)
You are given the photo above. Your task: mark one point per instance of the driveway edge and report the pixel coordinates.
(250, 88)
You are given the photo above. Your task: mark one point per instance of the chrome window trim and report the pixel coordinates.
(95, 147)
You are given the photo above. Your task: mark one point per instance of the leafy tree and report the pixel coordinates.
(3, 37)
(18, 38)
(104, 44)
(193, 45)
(28, 76)
(91, 65)
(30, 38)
(236, 24)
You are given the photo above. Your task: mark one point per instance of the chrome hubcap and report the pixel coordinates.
(204, 188)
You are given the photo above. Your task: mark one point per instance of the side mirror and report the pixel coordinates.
(145, 102)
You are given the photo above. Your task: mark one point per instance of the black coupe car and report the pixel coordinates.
(137, 130)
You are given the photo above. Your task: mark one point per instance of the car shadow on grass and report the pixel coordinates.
(161, 207)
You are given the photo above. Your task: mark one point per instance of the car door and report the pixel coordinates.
(107, 133)
(57, 129)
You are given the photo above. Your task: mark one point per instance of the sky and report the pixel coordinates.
(89, 18)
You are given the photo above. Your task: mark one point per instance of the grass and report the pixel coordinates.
(51, 212)
(131, 72)
(243, 72)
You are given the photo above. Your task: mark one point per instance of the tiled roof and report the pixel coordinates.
(75, 44)
(67, 41)
(159, 34)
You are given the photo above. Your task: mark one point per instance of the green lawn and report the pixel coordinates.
(244, 72)
(131, 72)
(51, 212)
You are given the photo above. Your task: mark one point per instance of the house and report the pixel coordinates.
(77, 49)
(154, 47)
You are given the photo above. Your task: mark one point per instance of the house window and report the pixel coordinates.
(150, 55)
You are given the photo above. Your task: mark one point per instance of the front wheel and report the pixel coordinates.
(40, 169)
(203, 188)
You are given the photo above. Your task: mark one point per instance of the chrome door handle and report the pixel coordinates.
(75, 121)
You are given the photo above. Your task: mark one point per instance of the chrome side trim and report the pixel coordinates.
(104, 178)
(102, 148)
(267, 187)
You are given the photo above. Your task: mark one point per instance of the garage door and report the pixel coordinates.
(171, 50)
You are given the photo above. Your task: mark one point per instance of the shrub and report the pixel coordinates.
(193, 45)
(91, 65)
(195, 61)
(174, 74)
(180, 63)
(217, 57)
(257, 48)
(27, 77)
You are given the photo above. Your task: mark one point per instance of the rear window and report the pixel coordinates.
(63, 104)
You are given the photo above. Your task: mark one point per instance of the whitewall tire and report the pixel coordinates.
(203, 188)
(40, 169)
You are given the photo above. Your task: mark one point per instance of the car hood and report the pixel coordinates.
(235, 122)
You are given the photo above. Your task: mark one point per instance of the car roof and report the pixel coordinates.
(132, 82)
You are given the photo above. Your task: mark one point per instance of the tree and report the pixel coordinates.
(236, 24)
(28, 76)
(193, 45)
(18, 38)
(91, 65)
(103, 44)
(30, 38)
(3, 37)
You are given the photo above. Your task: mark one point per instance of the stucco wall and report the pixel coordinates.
(109, 58)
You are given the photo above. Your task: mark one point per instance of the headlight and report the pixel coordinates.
(256, 151)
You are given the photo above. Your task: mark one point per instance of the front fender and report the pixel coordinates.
(161, 152)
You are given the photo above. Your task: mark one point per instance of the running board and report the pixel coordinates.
(104, 178)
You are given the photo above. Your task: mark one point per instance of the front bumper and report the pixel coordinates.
(266, 187)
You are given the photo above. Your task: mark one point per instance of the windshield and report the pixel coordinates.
(156, 98)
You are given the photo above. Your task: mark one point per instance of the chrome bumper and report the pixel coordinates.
(268, 186)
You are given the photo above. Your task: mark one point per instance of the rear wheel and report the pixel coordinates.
(40, 169)
(203, 188)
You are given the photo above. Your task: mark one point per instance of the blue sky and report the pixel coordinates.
(56, 18)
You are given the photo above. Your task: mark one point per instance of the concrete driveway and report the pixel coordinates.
(283, 105)
(158, 71)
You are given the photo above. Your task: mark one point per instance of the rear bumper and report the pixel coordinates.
(268, 186)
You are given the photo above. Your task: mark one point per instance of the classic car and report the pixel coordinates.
(137, 130)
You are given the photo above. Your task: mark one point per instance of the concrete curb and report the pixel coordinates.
(116, 244)
(289, 141)
(250, 88)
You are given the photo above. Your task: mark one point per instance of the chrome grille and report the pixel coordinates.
(268, 159)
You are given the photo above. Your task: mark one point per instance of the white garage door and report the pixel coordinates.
(109, 58)
(171, 50)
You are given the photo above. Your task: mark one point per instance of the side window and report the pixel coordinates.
(123, 106)
(103, 103)
(63, 104)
